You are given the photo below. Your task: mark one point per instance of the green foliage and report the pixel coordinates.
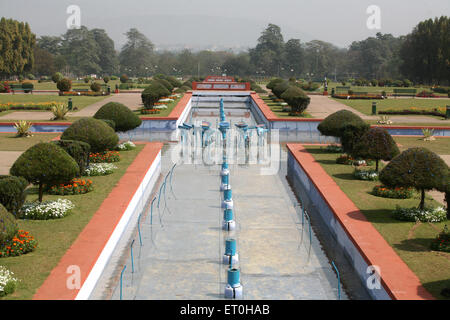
(419, 168)
(96, 133)
(296, 98)
(45, 163)
(96, 87)
(166, 84)
(106, 79)
(110, 123)
(272, 83)
(123, 117)
(12, 193)
(137, 54)
(153, 93)
(376, 144)
(78, 150)
(124, 78)
(16, 47)
(174, 81)
(345, 125)
(57, 77)
(280, 88)
(87, 79)
(8, 225)
(64, 85)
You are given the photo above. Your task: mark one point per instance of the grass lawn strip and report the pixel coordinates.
(410, 241)
(56, 236)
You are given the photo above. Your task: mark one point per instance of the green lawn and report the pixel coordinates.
(377, 89)
(277, 109)
(79, 102)
(56, 236)
(365, 106)
(9, 141)
(410, 240)
(443, 123)
(162, 113)
(439, 146)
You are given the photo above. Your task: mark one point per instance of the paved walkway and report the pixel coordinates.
(7, 159)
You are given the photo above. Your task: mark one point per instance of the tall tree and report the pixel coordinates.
(268, 54)
(136, 57)
(44, 62)
(426, 51)
(109, 61)
(16, 47)
(81, 51)
(294, 57)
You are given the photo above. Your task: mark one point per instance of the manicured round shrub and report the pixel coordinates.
(376, 144)
(64, 85)
(12, 193)
(296, 98)
(110, 123)
(174, 81)
(96, 133)
(57, 77)
(124, 78)
(96, 87)
(187, 83)
(419, 168)
(345, 125)
(106, 79)
(122, 116)
(8, 225)
(78, 150)
(166, 84)
(45, 163)
(153, 93)
(280, 88)
(86, 79)
(273, 83)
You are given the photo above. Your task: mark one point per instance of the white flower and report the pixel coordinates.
(47, 210)
(99, 169)
(126, 146)
(6, 276)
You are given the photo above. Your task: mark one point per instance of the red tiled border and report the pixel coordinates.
(397, 279)
(89, 244)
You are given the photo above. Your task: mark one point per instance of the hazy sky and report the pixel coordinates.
(226, 23)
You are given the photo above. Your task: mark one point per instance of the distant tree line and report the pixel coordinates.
(422, 56)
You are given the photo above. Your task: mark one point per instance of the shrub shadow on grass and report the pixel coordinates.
(375, 216)
(346, 176)
(320, 151)
(441, 286)
(414, 245)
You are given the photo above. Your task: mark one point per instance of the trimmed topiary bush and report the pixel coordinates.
(153, 93)
(124, 78)
(96, 87)
(273, 83)
(166, 84)
(345, 125)
(106, 79)
(174, 81)
(297, 99)
(78, 150)
(110, 123)
(57, 77)
(12, 193)
(419, 168)
(122, 116)
(8, 225)
(376, 144)
(45, 163)
(96, 133)
(280, 88)
(64, 85)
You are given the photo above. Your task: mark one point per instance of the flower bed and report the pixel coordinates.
(107, 156)
(99, 169)
(357, 96)
(442, 241)
(76, 186)
(7, 282)
(439, 112)
(126, 146)
(28, 106)
(46, 210)
(415, 214)
(345, 159)
(22, 243)
(333, 148)
(394, 193)
(367, 175)
(426, 94)
(83, 93)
